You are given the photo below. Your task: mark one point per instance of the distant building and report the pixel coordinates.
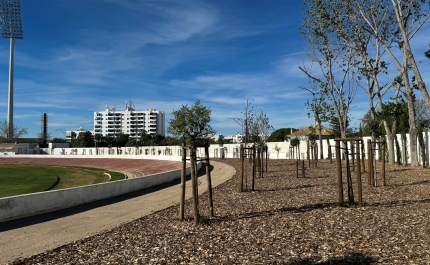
(14, 148)
(234, 138)
(58, 145)
(305, 132)
(20, 148)
(112, 122)
(73, 134)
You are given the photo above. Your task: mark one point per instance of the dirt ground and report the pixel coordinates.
(285, 220)
(30, 236)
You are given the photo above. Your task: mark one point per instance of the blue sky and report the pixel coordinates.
(79, 56)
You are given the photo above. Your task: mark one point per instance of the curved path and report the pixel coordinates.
(33, 235)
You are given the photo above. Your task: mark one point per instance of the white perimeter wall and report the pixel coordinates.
(231, 150)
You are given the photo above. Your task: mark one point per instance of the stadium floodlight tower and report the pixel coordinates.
(11, 26)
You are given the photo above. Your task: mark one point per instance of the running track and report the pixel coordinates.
(137, 167)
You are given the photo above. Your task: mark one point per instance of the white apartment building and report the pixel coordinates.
(131, 122)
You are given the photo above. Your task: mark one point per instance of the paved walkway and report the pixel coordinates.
(33, 235)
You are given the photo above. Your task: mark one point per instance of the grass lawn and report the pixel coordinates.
(23, 179)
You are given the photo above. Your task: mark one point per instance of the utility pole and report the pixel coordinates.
(246, 124)
(63, 131)
(240, 122)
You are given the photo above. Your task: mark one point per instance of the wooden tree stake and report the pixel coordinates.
(253, 168)
(194, 185)
(339, 173)
(359, 186)
(183, 179)
(208, 174)
(242, 160)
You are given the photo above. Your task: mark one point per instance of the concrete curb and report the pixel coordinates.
(36, 203)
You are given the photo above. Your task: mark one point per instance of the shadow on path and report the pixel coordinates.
(353, 258)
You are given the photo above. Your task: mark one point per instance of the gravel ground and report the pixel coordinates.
(286, 220)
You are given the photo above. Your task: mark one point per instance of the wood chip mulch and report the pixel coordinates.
(286, 220)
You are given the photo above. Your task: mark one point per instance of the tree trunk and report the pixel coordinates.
(208, 174)
(411, 115)
(321, 142)
(307, 150)
(390, 145)
(413, 145)
(404, 149)
(242, 161)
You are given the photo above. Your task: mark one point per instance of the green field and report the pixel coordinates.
(23, 179)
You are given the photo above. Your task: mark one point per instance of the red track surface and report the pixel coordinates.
(138, 167)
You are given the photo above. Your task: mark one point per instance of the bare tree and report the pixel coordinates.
(319, 109)
(404, 19)
(256, 125)
(334, 60)
(260, 127)
(18, 132)
(352, 29)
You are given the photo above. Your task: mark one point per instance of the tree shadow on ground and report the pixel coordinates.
(411, 184)
(354, 259)
(320, 177)
(305, 186)
(398, 203)
(310, 207)
(302, 209)
(398, 170)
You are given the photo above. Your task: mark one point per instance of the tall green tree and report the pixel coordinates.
(145, 139)
(168, 140)
(84, 139)
(121, 139)
(280, 134)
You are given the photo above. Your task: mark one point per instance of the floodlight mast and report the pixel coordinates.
(11, 26)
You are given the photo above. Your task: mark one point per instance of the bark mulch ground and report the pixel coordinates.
(286, 220)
